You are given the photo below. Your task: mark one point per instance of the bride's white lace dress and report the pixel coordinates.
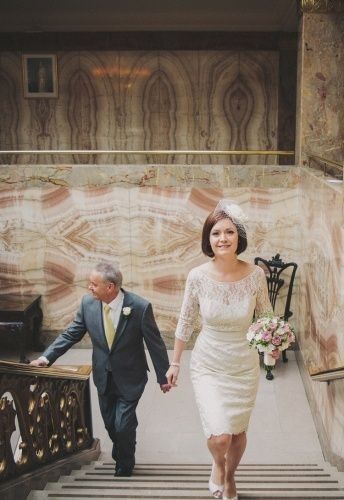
(224, 369)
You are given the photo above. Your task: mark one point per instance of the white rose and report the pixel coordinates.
(250, 336)
(126, 311)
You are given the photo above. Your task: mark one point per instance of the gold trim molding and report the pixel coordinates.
(321, 6)
(207, 152)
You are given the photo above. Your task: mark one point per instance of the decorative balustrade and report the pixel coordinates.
(45, 415)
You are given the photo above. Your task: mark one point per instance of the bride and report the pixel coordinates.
(226, 291)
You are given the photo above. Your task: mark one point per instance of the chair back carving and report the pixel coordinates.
(274, 269)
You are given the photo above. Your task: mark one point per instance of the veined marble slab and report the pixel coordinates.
(54, 232)
(145, 100)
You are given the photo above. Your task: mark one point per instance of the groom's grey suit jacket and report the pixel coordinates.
(126, 359)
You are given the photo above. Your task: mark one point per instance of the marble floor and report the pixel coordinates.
(281, 428)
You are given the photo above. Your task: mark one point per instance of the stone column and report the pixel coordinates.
(320, 100)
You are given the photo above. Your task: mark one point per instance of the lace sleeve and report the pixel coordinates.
(263, 305)
(189, 311)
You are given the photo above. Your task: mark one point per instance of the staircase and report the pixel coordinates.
(189, 481)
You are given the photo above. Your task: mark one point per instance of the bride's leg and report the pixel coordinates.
(233, 456)
(218, 447)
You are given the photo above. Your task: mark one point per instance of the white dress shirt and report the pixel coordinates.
(116, 306)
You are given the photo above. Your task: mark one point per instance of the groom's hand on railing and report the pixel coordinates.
(39, 362)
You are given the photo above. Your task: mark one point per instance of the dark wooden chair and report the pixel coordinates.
(278, 276)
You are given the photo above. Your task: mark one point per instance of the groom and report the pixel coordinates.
(118, 322)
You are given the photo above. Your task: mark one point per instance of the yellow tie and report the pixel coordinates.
(108, 325)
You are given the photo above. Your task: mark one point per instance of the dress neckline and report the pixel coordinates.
(228, 282)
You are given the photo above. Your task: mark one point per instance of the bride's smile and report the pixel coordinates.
(224, 237)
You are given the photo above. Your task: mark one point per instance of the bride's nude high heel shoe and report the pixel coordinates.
(215, 489)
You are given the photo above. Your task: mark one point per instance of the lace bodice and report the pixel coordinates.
(223, 306)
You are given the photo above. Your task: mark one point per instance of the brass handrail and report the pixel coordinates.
(78, 372)
(146, 152)
(327, 375)
(326, 160)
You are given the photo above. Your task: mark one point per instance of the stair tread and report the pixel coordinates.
(180, 494)
(189, 481)
(40, 495)
(206, 469)
(97, 475)
(271, 485)
(111, 463)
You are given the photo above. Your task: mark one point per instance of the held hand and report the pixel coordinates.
(38, 362)
(165, 387)
(172, 375)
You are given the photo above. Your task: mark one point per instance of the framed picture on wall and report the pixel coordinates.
(39, 75)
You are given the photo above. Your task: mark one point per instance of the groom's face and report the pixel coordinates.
(100, 289)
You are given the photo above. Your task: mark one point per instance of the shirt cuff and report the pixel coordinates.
(43, 358)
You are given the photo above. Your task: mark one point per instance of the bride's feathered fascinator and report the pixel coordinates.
(235, 213)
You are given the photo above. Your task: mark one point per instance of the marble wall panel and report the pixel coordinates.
(10, 106)
(185, 100)
(321, 303)
(239, 103)
(53, 236)
(57, 223)
(321, 87)
(287, 102)
(159, 92)
(322, 300)
(81, 176)
(89, 113)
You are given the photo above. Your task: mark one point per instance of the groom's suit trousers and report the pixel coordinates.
(119, 415)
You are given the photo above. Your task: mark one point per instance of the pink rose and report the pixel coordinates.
(266, 336)
(276, 340)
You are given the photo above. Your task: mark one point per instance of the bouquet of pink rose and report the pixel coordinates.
(269, 333)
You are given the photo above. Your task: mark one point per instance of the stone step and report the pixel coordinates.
(335, 473)
(111, 463)
(189, 481)
(193, 488)
(252, 494)
(91, 476)
(204, 469)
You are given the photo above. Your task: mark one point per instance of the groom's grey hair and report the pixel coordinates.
(110, 273)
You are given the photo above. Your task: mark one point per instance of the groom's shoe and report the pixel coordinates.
(123, 472)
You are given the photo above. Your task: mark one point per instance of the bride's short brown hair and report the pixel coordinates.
(208, 225)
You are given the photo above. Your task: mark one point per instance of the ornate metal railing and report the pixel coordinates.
(45, 415)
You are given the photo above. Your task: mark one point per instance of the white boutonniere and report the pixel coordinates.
(126, 311)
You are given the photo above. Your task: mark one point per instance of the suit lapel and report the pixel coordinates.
(123, 319)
